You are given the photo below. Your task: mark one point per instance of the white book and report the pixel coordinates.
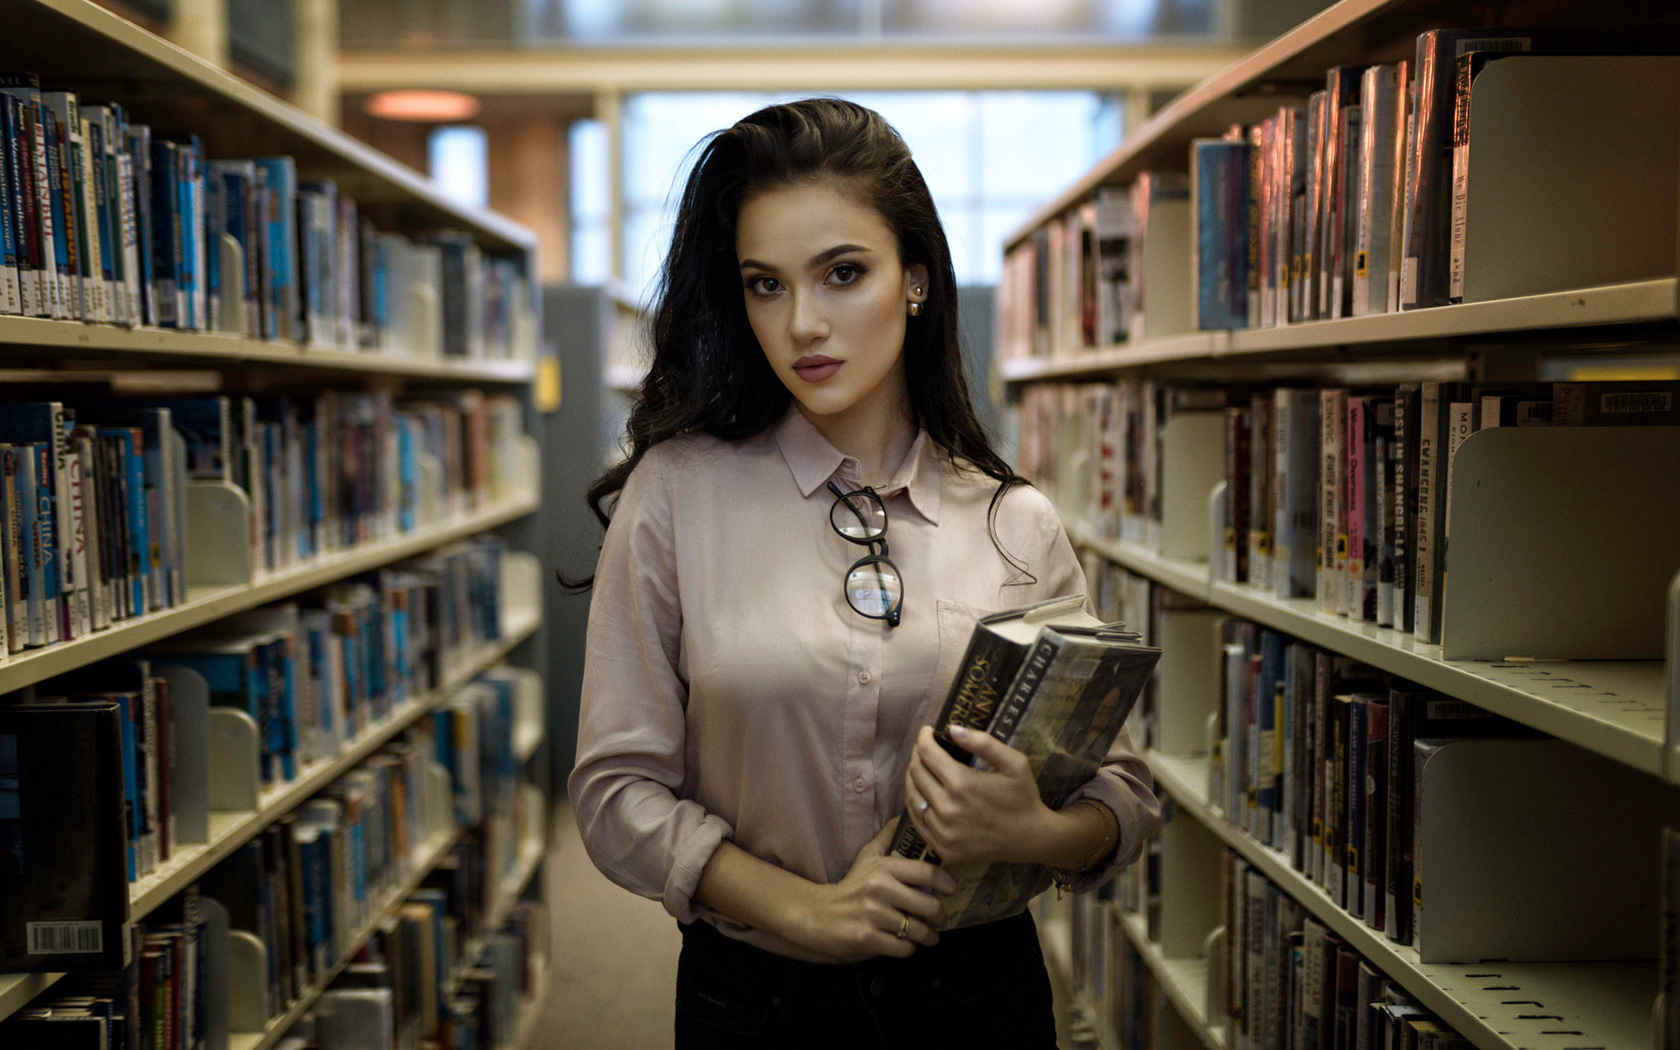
(93, 282)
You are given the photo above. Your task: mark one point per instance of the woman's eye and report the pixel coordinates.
(846, 273)
(763, 286)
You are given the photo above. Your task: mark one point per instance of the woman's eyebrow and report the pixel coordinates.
(812, 263)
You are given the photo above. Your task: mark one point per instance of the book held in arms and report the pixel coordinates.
(1055, 683)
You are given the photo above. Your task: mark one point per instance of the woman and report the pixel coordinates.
(752, 727)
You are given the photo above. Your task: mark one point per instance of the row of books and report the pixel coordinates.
(397, 995)
(95, 495)
(312, 676)
(1338, 494)
(101, 221)
(1291, 981)
(1351, 204)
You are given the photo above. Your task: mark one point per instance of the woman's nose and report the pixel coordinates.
(808, 322)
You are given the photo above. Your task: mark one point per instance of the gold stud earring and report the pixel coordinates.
(915, 309)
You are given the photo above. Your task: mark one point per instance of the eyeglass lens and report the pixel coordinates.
(873, 587)
(860, 517)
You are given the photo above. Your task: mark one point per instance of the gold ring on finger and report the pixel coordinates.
(904, 928)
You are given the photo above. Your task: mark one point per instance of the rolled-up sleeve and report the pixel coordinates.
(1124, 783)
(627, 785)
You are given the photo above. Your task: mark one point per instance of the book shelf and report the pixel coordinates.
(1619, 709)
(80, 46)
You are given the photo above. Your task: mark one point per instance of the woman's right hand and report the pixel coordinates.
(860, 916)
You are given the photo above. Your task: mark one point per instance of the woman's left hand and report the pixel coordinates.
(966, 813)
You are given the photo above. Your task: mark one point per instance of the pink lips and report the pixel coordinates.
(814, 368)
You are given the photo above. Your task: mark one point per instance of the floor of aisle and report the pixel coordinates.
(614, 968)
(614, 972)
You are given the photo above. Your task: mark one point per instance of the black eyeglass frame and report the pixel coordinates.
(874, 558)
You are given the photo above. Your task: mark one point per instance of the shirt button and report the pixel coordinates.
(878, 986)
(858, 785)
(863, 678)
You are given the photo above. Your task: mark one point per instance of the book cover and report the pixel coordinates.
(1382, 104)
(1219, 265)
(63, 884)
(1374, 862)
(1261, 490)
(1295, 485)
(1332, 541)
(1064, 707)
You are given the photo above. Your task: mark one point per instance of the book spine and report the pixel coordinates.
(1353, 503)
(11, 300)
(1312, 204)
(1261, 492)
(1335, 799)
(1429, 497)
(1353, 799)
(17, 574)
(48, 550)
(1375, 860)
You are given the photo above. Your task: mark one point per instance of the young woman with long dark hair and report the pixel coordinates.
(808, 523)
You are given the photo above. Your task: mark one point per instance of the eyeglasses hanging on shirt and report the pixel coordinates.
(872, 586)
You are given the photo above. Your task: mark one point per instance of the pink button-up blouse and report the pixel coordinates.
(730, 692)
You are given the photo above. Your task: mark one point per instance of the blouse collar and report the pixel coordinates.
(814, 461)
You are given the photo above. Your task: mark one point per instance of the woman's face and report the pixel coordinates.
(827, 295)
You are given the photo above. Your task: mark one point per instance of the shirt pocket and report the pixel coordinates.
(956, 627)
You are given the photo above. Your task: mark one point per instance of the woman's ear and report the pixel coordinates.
(916, 278)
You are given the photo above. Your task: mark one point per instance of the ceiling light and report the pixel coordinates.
(426, 107)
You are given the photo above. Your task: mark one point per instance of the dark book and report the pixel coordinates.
(1237, 466)
(63, 884)
(1648, 403)
(1064, 706)
(44, 1028)
(1353, 805)
(1346, 996)
(1374, 862)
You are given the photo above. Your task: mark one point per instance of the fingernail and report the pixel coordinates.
(959, 732)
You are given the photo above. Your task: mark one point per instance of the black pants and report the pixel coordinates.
(980, 987)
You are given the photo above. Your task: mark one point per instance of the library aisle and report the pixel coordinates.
(621, 994)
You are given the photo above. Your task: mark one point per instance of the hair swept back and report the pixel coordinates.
(708, 373)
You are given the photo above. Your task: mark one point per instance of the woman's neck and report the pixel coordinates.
(879, 440)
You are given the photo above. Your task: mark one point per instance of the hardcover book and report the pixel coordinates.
(1053, 682)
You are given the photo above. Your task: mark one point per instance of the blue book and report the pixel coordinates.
(47, 549)
(11, 299)
(168, 305)
(189, 184)
(407, 473)
(133, 806)
(1219, 173)
(14, 189)
(279, 174)
(28, 495)
(140, 565)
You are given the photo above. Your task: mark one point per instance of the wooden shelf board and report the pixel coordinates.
(229, 831)
(206, 604)
(1615, 708)
(1604, 1004)
(222, 347)
(1631, 303)
(1183, 980)
(70, 37)
(280, 1024)
(1638, 302)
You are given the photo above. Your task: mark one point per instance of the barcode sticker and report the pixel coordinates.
(1654, 401)
(65, 938)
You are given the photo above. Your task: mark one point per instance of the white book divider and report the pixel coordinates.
(189, 709)
(527, 713)
(1536, 850)
(529, 457)
(1187, 679)
(233, 761)
(439, 817)
(233, 285)
(213, 974)
(1572, 173)
(1167, 291)
(247, 969)
(1671, 684)
(218, 535)
(1192, 463)
(1190, 893)
(1213, 952)
(521, 581)
(425, 321)
(429, 475)
(1572, 526)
